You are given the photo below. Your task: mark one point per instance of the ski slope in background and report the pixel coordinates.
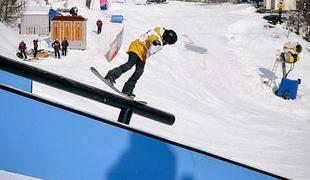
(211, 79)
(4, 175)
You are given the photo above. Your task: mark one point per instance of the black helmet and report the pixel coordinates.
(298, 48)
(170, 36)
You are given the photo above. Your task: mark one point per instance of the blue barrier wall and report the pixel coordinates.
(50, 143)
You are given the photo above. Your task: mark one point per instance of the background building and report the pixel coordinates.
(288, 4)
(71, 27)
(35, 21)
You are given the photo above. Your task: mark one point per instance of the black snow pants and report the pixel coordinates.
(57, 54)
(23, 53)
(133, 59)
(99, 29)
(64, 51)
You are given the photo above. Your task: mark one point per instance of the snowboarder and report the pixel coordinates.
(139, 50)
(22, 48)
(64, 46)
(99, 26)
(56, 46)
(35, 47)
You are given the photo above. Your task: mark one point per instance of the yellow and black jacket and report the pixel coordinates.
(143, 46)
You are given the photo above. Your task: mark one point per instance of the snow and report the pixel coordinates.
(80, 4)
(211, 79)
(36, 9)
(5, 175)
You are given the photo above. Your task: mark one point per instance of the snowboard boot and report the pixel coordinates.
(110, 78)
(129, 93)
(128, 88)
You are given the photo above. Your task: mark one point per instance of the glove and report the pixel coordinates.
(156, 42)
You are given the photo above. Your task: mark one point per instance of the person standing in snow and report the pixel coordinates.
(73, 11)
(64, 46)
(22, 48)
(280, 6)
(139, 50)
(99, 26)
(35, 47)
(56, 46)
(257, 3)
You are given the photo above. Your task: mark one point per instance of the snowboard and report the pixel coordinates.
(94, 70)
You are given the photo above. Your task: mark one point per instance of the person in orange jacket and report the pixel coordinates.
(139, 50)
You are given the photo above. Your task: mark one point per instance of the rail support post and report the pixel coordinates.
(125, 116)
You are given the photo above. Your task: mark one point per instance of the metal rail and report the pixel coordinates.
(127, 106)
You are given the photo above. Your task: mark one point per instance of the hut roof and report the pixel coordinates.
(68, 18)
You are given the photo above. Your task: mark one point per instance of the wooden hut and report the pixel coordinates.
(71, 27)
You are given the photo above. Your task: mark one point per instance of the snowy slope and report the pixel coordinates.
(5, 175)
(210, 79)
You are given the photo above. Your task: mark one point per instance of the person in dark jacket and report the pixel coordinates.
(35, 47)
(64, 46)
(257, 3)
(99, 26)
(56, 46)
(73, 11)
(22, 48)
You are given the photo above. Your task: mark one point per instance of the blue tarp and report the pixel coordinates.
(52, 13)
